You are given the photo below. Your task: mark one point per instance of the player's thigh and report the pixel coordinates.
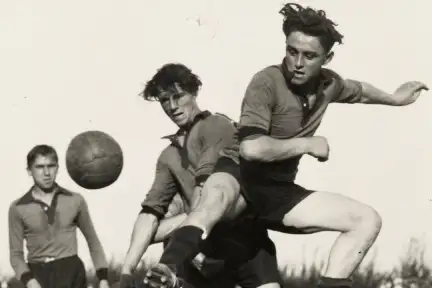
(220, 191)
(227, 171)
(326, 211)
(261, 270)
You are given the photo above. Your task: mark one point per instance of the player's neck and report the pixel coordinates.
(308, 88)
(195, 112)
(188, 125)
(38, 191)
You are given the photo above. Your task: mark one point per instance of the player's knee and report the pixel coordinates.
(221, 190)
(219, 193)
(374, 221)
(368, 221)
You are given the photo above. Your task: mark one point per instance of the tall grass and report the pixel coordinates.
(412, 272)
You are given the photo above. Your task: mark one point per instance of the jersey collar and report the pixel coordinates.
(200, 116)
(28, 197)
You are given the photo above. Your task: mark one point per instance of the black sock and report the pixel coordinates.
(183, 246)
(327, 282)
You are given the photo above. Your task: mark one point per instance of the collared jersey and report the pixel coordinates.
(271, 108)
(180, 168)
(50, 230)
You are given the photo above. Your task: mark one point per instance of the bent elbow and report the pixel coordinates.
(250, 150)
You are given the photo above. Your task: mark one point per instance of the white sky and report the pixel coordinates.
(71, 66)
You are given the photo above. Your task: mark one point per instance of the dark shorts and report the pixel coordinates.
(247, 264)
(227, 165)
(67, 272)
(248, 270)
(248, 253)
(196, 280)
(268, 201)
(272, 202)
(247, 250)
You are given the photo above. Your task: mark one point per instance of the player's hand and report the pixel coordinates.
(126, 281)
(104, 284)
(319, 148)
(409, 92)
(33, 283)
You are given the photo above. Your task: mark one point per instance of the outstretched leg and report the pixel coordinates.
(220, 200)
(290, 208)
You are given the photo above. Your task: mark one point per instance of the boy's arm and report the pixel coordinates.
(16, 246)
(85, 224)
(154, 207)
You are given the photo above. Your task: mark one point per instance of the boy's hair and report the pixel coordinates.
(167, 76)
(40, 150)
(311, 22)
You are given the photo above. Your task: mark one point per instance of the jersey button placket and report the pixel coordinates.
(50, 217)
(305, 108)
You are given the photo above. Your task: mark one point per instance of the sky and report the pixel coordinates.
(71, 66)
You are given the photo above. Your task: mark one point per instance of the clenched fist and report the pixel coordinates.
(318, 147)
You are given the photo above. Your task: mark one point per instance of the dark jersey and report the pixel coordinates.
(271, 108)
(182, 167)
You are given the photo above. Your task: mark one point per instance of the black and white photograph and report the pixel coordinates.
(215, 144)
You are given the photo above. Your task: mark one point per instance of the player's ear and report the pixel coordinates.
(328, 57)
(28, 171)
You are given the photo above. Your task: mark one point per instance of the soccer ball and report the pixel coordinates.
(94, 160)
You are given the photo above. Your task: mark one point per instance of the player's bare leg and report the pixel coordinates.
(220, 200)
(358, 223)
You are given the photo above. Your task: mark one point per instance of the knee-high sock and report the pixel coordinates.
(183, 246)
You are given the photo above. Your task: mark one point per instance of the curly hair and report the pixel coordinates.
(167, 76)
(311, 22)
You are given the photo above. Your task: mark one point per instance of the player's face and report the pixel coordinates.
(304, 57)
(179, 105)
(44, 171)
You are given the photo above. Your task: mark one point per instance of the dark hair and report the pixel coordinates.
(40, 150)
(311, 22)
(167, 76)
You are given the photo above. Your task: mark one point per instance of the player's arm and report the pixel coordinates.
(172, 220)
(85, 224)
(373, 95)
(167, 226)
(255, 121)
(142, 234)
(366, 93)
(16, 246)
(154, 207)
(353, 91)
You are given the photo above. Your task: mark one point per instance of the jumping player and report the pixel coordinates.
(213, 202)
(282, 108)
(46, 218)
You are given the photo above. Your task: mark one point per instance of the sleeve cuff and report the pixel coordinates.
(102, 274)
(26, 277)
(201, 179)
(247, 131)
(149, 210)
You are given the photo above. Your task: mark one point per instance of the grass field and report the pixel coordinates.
(411, 272)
